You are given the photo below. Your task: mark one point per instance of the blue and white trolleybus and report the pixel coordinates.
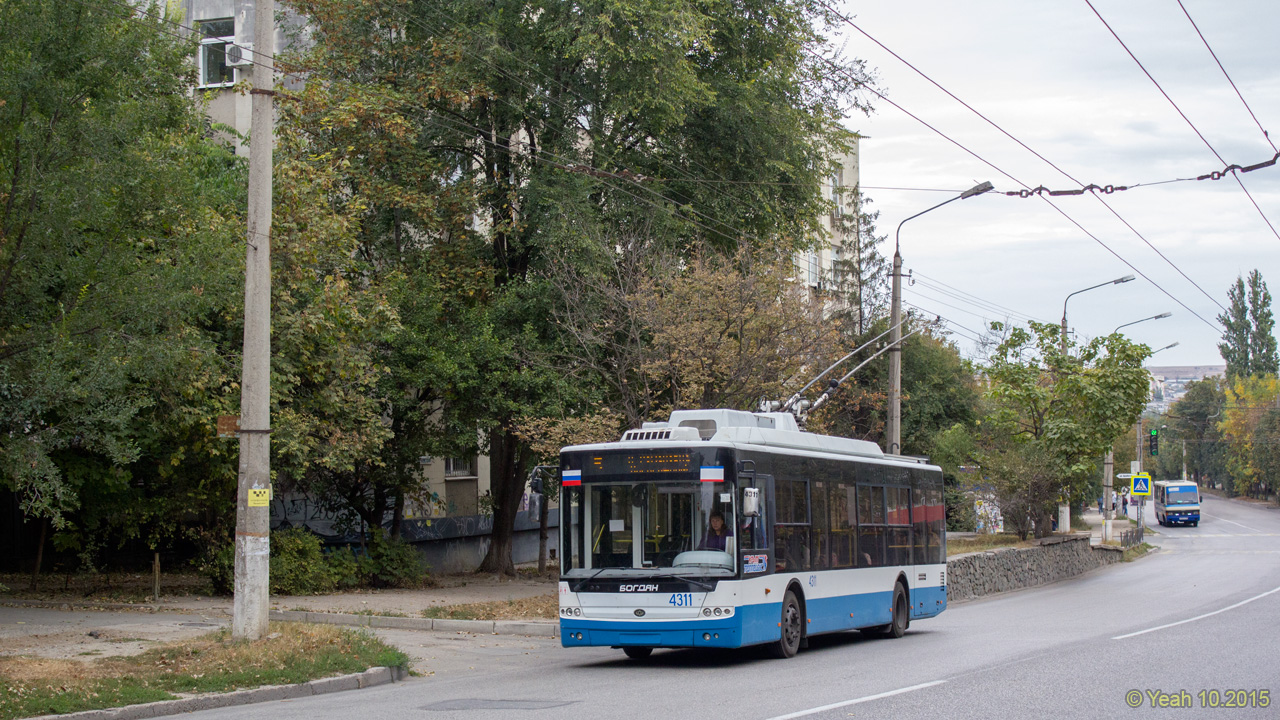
(724, 528)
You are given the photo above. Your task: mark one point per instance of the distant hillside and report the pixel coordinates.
(1187, 372)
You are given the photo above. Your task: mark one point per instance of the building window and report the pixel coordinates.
(214, 36)
(459, 467)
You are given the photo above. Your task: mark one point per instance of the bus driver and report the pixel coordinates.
(717, 535)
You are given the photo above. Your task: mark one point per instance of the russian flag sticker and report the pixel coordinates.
(571, 477)
(712, 473)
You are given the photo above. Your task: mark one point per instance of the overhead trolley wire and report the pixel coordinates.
(1007, 310)
(1184, 117)
(1225, 74)
(1029, 149)
(1053, 205)
(969, 334)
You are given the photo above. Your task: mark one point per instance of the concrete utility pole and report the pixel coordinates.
(893, 424)
(253, 530)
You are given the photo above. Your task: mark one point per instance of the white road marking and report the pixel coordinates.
(855, 701)
(1233, 522)
(1198, 617)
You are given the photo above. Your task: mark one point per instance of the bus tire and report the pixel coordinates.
(897, 627)
(636, 652)
(792, 626)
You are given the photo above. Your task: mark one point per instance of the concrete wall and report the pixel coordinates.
(983, 573)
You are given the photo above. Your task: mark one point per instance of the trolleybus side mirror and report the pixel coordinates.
(751, 502)
(535, 485)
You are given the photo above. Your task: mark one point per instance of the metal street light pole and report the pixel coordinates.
(1108, 465)
(1161, 316)
(893, 426)
(1062, 342)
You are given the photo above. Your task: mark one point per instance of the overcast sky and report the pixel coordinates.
(1052, 75)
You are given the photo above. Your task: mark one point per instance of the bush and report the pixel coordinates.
(392, 563)
(219, 566)
(344, 566)
(298, 565)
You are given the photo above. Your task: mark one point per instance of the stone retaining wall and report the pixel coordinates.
(983, 573)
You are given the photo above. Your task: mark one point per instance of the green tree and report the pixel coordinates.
(120, 240)
(1248, 340)
(1054, 415)
(506, 136)
(1263, 358)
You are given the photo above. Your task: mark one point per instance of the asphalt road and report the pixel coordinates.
(1203, 614)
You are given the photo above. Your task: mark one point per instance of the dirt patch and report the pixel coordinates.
(541, 607)
(213, 662)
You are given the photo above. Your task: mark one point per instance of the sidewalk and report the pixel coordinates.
(1119, 524)
(60, 626)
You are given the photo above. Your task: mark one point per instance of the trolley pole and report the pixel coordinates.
(253, 531)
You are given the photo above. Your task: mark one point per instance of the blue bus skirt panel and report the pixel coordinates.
(749, 625)
(928, 601)
(715, 632)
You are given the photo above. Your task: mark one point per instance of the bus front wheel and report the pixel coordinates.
(638, 653)
(792, 625)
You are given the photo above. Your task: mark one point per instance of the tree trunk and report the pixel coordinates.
(506, 484)
(35, 570)
(397, 515)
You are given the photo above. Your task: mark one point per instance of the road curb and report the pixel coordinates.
(537, 628)
(486, 627)
(369, 678)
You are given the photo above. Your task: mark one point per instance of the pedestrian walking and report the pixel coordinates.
(1124, 504)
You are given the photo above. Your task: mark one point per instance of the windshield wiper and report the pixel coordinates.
(704, 585)
(584, 581)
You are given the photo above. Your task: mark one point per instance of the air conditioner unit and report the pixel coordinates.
(239, 55)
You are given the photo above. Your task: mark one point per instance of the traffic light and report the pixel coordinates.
(1155, 442)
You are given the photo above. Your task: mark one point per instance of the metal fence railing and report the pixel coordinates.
(1129, 538)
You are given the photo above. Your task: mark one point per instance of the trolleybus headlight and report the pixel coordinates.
(577, 611)
(706, 611)
(717, 612)
(706, 636)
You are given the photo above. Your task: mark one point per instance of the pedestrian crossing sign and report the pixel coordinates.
(1142, 484)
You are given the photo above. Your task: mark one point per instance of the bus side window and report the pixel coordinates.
(791, 529)
(755, 530)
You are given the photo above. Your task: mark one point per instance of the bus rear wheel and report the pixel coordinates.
(900, 619)
(638, 653)
(792, 625)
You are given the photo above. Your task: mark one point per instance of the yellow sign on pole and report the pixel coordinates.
(259, 497)
(1142, 484)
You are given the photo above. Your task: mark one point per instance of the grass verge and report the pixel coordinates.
(985, 542)
(542, 607)
(1136, 552)
(213, 663)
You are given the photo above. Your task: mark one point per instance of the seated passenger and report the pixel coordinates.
(717, 535)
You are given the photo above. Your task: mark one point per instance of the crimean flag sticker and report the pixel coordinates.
(569, 478)
(712, 473)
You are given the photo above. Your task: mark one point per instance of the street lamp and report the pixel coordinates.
(893, 427)
(1064, 510)
(1161, 316)
(1166, 347)
(1063, 341)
